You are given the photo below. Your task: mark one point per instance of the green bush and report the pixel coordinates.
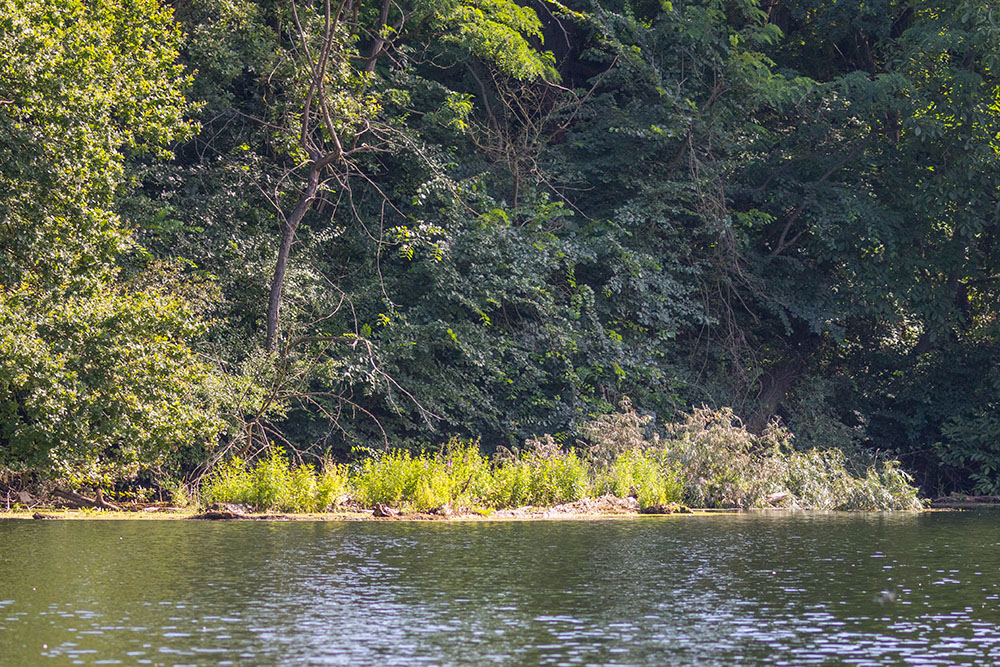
(273, 485)
(399, 479)
(647, 476)
(543, 474)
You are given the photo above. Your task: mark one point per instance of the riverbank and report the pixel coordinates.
(709, 461)
(605, 507)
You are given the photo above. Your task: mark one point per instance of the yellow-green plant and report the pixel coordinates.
(647, 476)
(399, 479)
(542, 474)
(273, 484)
(470, 473)
(332, 487)
(230, 482)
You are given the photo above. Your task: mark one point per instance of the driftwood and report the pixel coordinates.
(83, 501)
(384, 511)
(776, 498)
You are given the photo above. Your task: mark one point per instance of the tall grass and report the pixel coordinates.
(707, 460)
(271, 484)
(542, 474)
(648, 476)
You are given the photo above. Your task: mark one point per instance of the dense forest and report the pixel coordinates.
(339, 226)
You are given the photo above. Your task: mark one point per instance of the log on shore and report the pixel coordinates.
(83, 501)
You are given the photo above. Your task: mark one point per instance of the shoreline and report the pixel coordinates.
(186, 514)
(520, 514)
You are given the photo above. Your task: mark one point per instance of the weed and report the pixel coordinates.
(709, 460)
(399, 479)
(230, 482)
(332, 487)
(542, 474)
(648, 476)
(272, 484)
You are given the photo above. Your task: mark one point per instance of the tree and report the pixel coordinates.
(96, 377)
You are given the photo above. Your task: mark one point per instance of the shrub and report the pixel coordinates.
(542, 474)
(612, 435)
(272, 484)
(710, 460)
(399, 479)
(725, 465)
(647, 476)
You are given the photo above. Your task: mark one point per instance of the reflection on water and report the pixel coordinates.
(763, 589)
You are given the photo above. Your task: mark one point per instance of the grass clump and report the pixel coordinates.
(542, 474)
(648, 476)
(272, 484)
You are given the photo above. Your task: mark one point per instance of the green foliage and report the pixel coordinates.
(82, 84)
(973, 444)
(460, 477)
(724, 465)
(820, 479)
(272, 484)
(648, 476)
(229, 482)
(99, 387)
(397, 478)
(332, 487)
(97, 378)
(500, 32)
(710, 462)
(542, 474)
(789, 209)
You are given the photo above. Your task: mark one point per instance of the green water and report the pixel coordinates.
(751, 589)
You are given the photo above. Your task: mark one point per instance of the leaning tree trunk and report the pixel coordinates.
(288, 236)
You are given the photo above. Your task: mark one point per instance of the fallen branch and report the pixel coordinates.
(83, 501)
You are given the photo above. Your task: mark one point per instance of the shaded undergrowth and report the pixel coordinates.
(708, 460)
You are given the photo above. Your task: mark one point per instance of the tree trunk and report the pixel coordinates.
(287, 237)
(775, 385)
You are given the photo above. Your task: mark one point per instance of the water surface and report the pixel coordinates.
(791, 589)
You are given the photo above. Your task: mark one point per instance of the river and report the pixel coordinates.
(792, 589)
